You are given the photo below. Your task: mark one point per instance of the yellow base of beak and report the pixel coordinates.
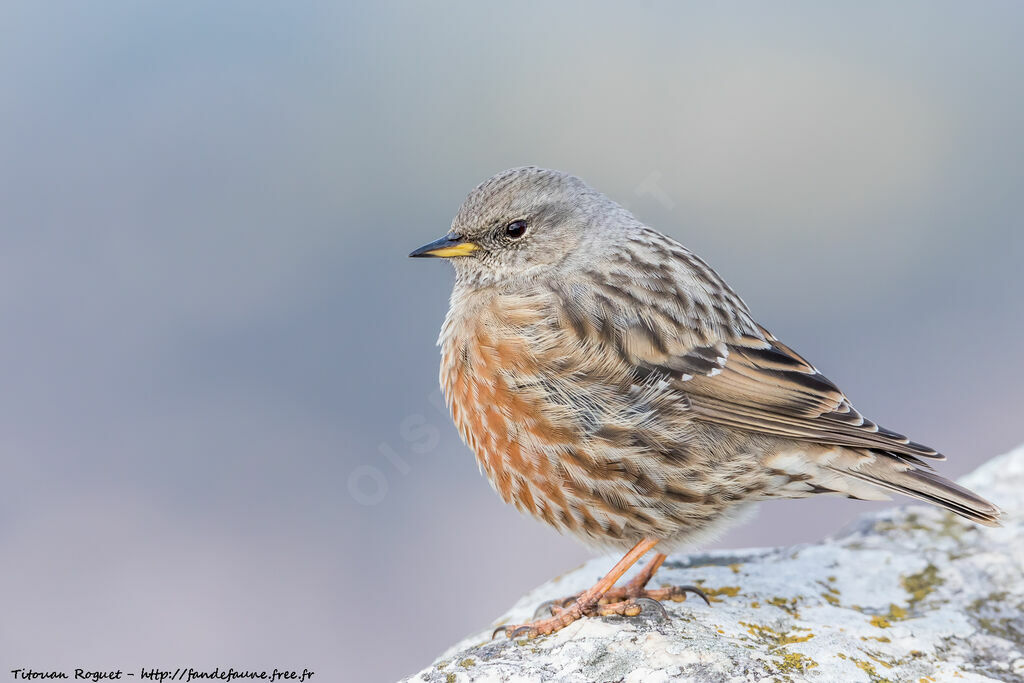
(449, 246)
(463, 249)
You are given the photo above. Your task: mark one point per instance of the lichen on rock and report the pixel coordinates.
(909, 594)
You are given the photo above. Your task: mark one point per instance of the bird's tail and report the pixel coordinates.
(871, 475)
(895, 474)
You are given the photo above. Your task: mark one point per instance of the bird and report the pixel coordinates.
(613, 386)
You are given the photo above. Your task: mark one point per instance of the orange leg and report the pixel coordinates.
(602, 599)
(637, 587)
(637, 584)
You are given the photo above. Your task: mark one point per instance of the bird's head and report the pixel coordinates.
(524, 223)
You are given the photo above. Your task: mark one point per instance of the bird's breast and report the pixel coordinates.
(496, 386)
(496, 415)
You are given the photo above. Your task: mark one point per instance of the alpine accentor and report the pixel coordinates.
(612, 385)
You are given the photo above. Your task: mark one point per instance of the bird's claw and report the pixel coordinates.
(648, 604)
(527, 632)
(547, 608)
(514, 632)
(678, 594)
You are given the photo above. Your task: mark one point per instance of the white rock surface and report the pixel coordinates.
(910, 594)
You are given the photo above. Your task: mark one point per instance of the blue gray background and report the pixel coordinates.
(219, 438)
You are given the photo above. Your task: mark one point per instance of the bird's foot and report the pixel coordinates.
(577, 609)
(673, 593)
(625, 596)
(603, 599)
(616, 602)
(559, 619)
(635, 589)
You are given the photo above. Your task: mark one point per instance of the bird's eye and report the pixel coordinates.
(516, 229)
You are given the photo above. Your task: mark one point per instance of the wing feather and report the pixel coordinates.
(732, 370)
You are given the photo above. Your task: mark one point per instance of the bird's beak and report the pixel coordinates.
(449, 246)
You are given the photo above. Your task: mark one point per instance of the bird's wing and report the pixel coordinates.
(672, 316)
(767, 387)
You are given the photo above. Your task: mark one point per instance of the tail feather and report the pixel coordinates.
(897, 475)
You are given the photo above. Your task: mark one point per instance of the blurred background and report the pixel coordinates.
(220, 433)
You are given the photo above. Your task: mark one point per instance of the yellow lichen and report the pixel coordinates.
(870, 670)
(773, 637)
(921, 584)
(831, 594)
(896, 612)
(796, 662)
(784, 604)
(867, 668)
(887, 665)
(713, 593)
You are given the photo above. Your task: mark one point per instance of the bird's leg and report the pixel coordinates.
(637, 587)
(586, 602)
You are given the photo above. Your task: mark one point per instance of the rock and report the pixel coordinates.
(909, 594)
